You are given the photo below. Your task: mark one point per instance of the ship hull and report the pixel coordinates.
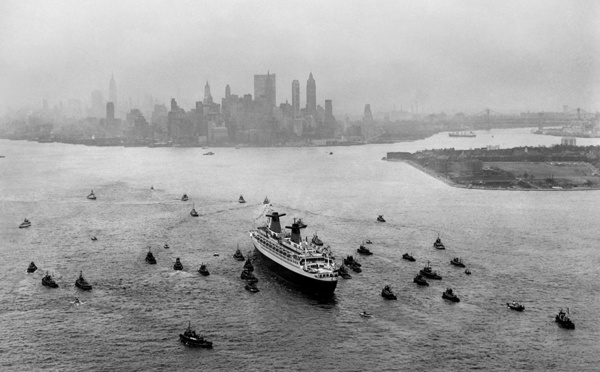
(303, 283)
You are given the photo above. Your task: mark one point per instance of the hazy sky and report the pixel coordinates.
(444, 55)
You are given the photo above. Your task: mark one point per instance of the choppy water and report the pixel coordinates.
(539, 248)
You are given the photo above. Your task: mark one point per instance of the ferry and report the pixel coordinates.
(309, 267)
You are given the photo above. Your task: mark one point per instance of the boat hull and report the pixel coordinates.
(83, 286)
(304, 283)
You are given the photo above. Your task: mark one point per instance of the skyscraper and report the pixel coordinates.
(296, 98)
(264, 89)
(112, 91)
(207, 96)
(311, 94)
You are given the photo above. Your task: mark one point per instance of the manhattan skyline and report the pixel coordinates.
(461, 56)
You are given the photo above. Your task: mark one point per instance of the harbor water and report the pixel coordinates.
(537, 248)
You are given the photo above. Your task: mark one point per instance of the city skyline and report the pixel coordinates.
(454, 57)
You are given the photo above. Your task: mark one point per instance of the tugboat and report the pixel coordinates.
(420, 280)
(248, 265)
(515, 306)
(309, 267)
(350, 261)
(91, 196)
(450, 296)
(366, 314)
(364, 250)
(193, 212)
(25, 224)
(343, 272)
(467, 271)
(248, 276)
(387, 293)
(368, 241)
(32, 268)
(203, 270)
(266, 201)
(82, 283)
(316, 241)
(380, 218)
(166, 246)
(563, 320)
(457, 262)
(251, 287)
(184, 197)
(150, 258)
(408, 257)
(241, 199)
(190, 338)
(429, 273)
(438, 244)
(178, 265)
(238, 254)
(48, 281)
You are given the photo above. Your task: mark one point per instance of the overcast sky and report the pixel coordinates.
(442, 55)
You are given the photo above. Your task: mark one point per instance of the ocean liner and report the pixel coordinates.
(309, 267)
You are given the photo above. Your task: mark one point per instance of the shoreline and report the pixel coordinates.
(452, 183)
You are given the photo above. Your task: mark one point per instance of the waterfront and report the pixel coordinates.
(536, 248)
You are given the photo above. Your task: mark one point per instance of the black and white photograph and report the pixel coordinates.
(237, 185)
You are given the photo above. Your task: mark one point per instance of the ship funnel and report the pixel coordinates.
(275, 225)
(296, 238)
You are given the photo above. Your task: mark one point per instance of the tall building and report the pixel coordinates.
(328, 107)
(112, 91)
(296, 98)
(264, 89)
(207, 97)
(227, 92)
(311, 94)
(110, 111)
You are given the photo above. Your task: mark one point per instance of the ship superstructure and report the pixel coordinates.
(308, 266)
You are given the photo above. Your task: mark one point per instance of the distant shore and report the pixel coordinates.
(452, 183)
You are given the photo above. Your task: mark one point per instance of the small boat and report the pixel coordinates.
(387, 293)
(356, 268)
(364, 250)
(82, 283)
(316, 241)
(94, 238)
(365, 314)
(563, 320)
(193, 212)
(408, 257)
(215, 254)
(77, 302)
(151, 187)
(249, 276)
(150, 258)
(331, 153)
(241, 199)
(178, 265)
(209, 153)
(450, 295)
(429, 273)
(91, 196)
(190, 338)
(203, 270)
(48, 281)
(438, 244)
(252, 287)
(166, 246)
(184, 197)
(368, 241)
(380, 218)
(238, 254)
(457, 262)
(32, 268)
(248, 265)
(467, 271)
(515, 306)
(25, 224)
(343, 272)
(266, 201)
(420, 280)
(350, 261)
